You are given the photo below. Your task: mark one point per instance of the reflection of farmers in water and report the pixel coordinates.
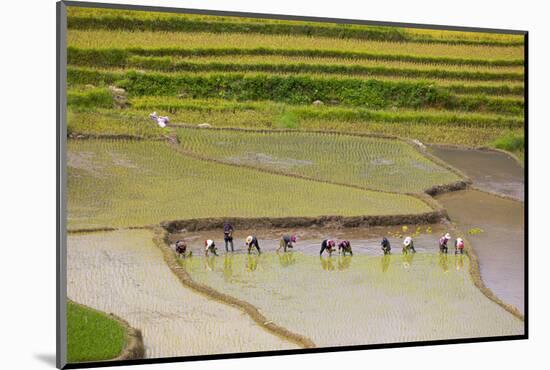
(328, 245)
(327, 263)
(443, 243)
(386, 262)
(345, 247)
(407, 259)
(408, 245)
(210, 247)
(210, 263)
(444, 262)
(228, 266)
(459, 246)
(250, 242)
(286, 259)
(287, 241)
(252, 262)
(459, 262)
(228, 236)
(386, 246)
(344, 262)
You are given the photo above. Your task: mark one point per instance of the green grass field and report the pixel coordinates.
(92, 335)
(379, 164)
(137, 183)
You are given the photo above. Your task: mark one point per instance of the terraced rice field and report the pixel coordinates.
(379, 164)
(124, 272)
(136, 183)
(471, 80)
(292, 82)
(395, 298)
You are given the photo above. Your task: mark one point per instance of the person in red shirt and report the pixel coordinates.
(459, 246)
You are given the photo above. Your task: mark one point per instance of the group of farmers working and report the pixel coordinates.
(328, 245)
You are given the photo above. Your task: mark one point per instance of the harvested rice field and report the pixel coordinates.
(137, 183)
(124, 272)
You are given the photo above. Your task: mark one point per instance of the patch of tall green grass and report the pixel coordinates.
(96, 97)
(92, 335)
(510, 142)
(366, 93)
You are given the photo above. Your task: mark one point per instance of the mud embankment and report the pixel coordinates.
(303, 222)
(162, 241)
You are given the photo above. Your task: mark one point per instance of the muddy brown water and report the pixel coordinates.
(489, 170)
(124, 272)
(500, 247)
(363, 240)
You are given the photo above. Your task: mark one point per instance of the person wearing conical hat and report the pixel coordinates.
(210, 247)
(443, 243)
(252, 241)
(408, 245)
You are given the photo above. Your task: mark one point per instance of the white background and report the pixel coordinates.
(27, 203)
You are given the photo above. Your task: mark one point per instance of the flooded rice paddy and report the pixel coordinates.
(500, 245)
(363, 240)
(123, 272)
(117, 183)
(489, 170)
(364, 299)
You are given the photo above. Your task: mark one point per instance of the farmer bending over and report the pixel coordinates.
(345, 247)
(252, 241)
(181, 248)
(443, 243)
(329, 245)
(459, 246)
(210, 247)
(287, 241)
(228, 235)
(386, 246)
(408, 245)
